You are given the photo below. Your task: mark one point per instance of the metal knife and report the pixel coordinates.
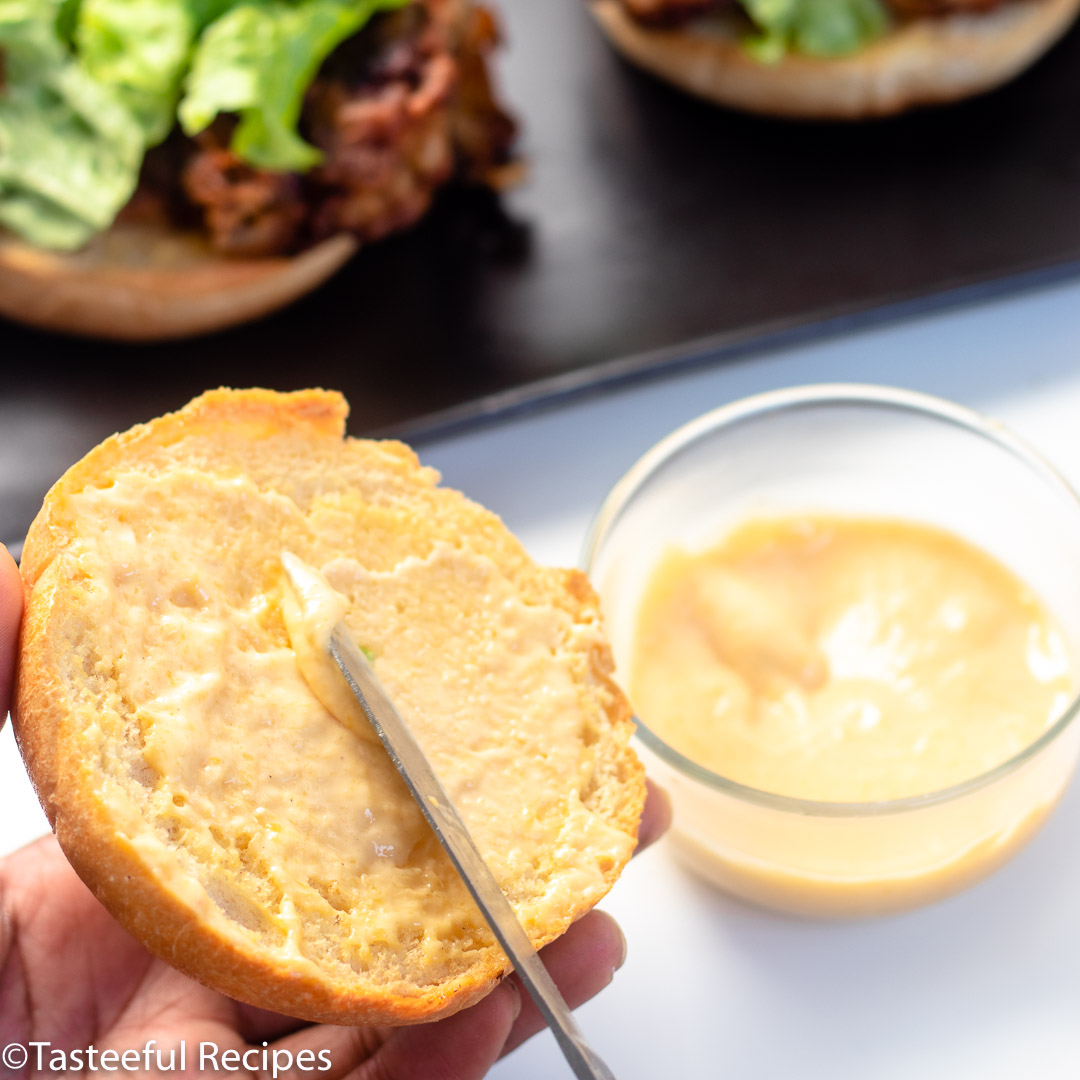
(436, 806)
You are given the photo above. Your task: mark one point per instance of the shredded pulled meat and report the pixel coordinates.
(247, 211)
(398, 112)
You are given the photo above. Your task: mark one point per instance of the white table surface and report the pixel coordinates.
(985, 985)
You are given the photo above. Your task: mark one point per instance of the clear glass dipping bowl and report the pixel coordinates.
(853, 451)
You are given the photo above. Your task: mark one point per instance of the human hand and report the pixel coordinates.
(72, 977)
(11, 605)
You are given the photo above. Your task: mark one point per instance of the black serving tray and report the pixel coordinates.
(653, 230)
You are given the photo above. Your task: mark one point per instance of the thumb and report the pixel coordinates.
(11, 605)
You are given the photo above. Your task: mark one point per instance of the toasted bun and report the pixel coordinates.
(224, 815)
(142, 282)
(924, 61)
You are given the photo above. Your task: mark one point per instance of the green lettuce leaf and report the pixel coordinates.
(66, 18)
(88, 85)
(70, 151)
(141, 49)
(824, 28)
(257, 61)
(206, 11)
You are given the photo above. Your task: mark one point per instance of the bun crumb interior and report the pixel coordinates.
(210, 800)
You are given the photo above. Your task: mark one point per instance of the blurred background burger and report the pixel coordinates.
(834, 59)
(169, 167)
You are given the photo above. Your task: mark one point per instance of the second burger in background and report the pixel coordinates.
(169, 167)
(834, 59)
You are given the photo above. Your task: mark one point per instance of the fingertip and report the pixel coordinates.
(656, 817)
(622, 944)
(582, 962)
(461, 1047)
(601, 938)
(515, 994)
(507, 1007)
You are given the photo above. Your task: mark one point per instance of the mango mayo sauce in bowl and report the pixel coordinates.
(848, 618)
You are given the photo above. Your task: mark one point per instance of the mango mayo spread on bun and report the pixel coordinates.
(207, 792)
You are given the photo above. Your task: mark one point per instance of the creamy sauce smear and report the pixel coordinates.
(259, 804)
(846, 660)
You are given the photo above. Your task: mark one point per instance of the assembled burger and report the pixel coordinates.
(169, 167)
(834, 59)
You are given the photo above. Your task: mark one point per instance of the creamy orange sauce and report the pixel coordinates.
(846, 660)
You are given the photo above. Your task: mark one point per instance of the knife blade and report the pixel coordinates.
(452, 833)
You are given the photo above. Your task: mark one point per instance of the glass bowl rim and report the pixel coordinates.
(795, 398)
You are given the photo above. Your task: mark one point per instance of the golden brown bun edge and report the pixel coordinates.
(143, 282)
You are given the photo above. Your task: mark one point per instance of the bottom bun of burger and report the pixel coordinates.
(200, 767)
(147, 282)
(922, 61)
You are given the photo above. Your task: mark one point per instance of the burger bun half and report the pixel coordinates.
(144, 282)
(922, 61)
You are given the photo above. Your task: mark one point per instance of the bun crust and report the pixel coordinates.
(144, 282)
(158, 546)
(924, 61)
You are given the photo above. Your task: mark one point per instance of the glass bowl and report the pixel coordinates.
(852, 451)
